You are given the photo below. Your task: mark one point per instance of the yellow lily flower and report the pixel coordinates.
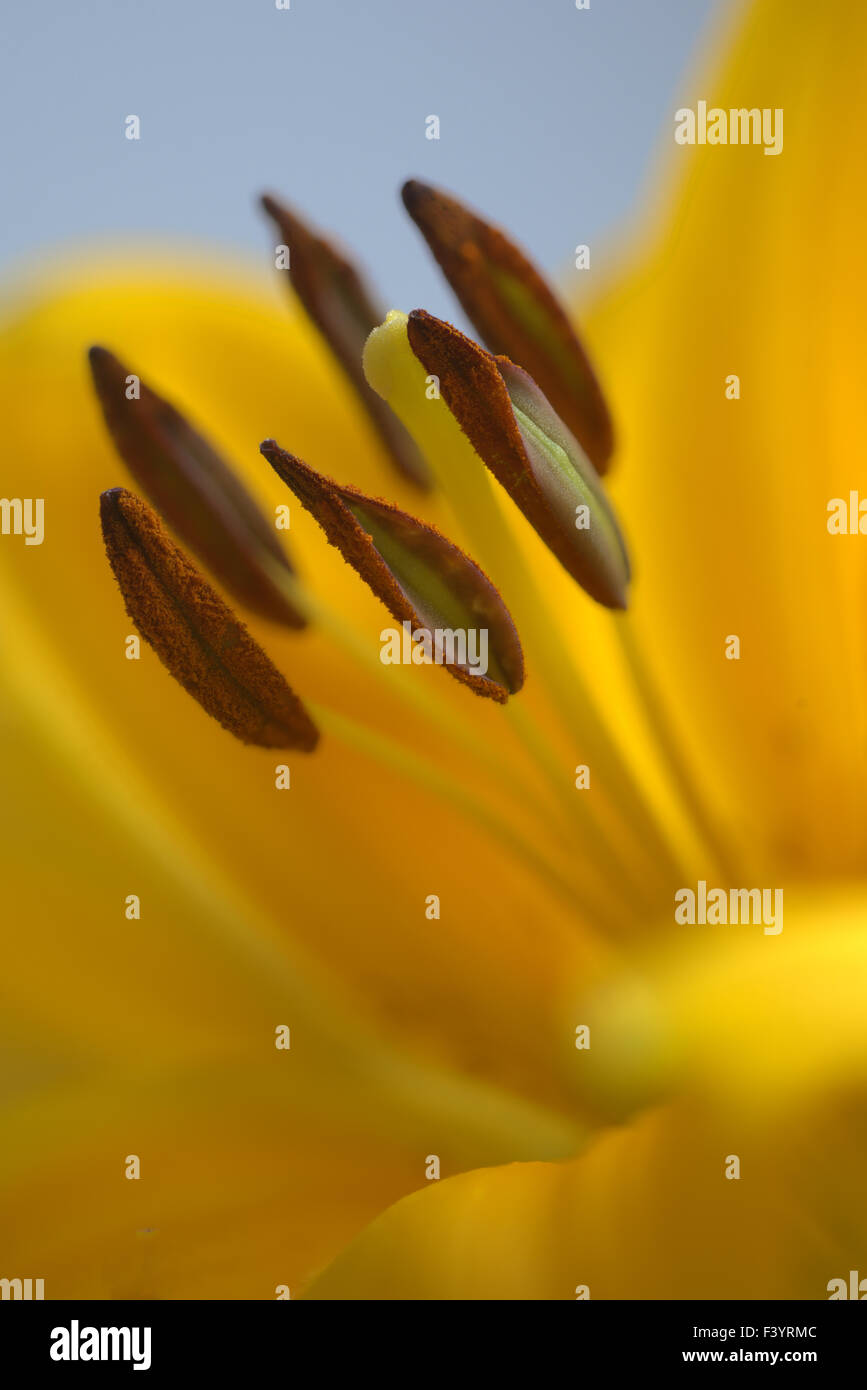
(441, 1042)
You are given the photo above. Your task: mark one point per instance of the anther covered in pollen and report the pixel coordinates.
(194, 490)
(514, 430)
(344, 309)
(421, 577)
(515, 312)
(195, 634)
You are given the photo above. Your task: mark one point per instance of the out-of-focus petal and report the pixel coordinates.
(754, 270)
(648, 1213)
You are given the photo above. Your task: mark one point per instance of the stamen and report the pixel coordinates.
(394, 370)
(195, 634)
(193, 489)
(420, 576)
(530, 452)
(514, 311)
(343, 308)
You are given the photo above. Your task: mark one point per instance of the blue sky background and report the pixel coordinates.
(549, 117)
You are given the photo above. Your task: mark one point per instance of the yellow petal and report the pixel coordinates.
(756, 273)
(228, 1203)
(648, 1213)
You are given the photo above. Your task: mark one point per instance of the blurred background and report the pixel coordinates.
(549, 119)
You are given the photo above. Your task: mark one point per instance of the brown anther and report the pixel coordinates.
(195, 634)
(422, 578)
(529, 450)
(342, 306)
(193, 489)
(514, 311)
